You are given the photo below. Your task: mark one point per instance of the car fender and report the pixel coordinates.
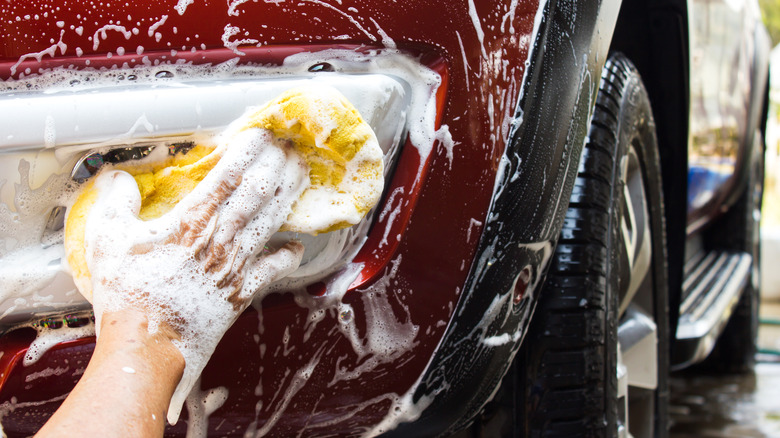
(530, 198)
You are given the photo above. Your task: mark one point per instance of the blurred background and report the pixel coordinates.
(769, 335)
(705, 405)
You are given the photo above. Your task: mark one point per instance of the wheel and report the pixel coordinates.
(595, 360)
(739, 230)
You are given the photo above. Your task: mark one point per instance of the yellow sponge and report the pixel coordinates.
(341, 150)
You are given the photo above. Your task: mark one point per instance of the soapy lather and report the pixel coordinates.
(184, 238)
(345, 169)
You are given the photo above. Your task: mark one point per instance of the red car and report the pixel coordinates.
(571, 205)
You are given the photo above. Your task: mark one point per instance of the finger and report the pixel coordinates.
(271, 268)
(257, 208)
(113, 216)
(261, 204)
(203, 206)
(118, 197)
(237, 155)
(256, 189)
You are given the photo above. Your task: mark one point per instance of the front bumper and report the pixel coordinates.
(461, 239)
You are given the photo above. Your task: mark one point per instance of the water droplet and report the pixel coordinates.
(345, 316)
(132, 77)
(321, 67)
(163, 74)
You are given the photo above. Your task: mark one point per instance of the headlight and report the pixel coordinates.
(62, 132)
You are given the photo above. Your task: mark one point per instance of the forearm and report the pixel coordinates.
(127, 385)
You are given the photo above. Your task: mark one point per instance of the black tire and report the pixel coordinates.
(567, 367)
(739, 230)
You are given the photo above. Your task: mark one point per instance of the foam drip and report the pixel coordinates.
(389, 336)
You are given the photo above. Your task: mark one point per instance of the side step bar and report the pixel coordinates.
(713, 284)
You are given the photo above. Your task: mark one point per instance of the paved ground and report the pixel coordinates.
(732, 406)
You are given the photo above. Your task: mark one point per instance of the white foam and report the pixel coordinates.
(403, 409)
(128, 258)
(46, 372)
(38, 56)
(153, 28)
(423, 81)
(349, 17)
(387, 336)
(29, 253)
(181, 6)
(230, 31)
(200, 405)
(24, 274)
(102, 32)
(48, 338)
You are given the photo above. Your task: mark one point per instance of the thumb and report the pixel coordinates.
(118, 197)
(270, 268)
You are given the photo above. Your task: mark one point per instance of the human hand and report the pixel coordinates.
(196, 268)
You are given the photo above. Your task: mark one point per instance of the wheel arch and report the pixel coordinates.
(530, 199)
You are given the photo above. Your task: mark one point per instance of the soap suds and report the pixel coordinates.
(153, 28)
(181, 6)
(46, 372)
(231, 31)
(38, 56)
(475, 21)
(48, 338)
(102, 32)
(271, 180)
(345, 15)
(390, 335)
(200, 405)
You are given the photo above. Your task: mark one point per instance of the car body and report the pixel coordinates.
(411, 329)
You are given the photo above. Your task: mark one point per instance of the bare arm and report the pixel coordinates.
(127, 385)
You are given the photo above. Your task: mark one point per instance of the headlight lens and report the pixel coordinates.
(62, 135)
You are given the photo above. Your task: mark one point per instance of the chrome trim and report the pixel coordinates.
(124, 114)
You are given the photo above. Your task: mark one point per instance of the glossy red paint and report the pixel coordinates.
(416, 277)
(36, 390)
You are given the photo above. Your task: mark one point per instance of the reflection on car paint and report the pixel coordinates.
(385, 339)
(382, 327)
(422, 134)
(387, 293)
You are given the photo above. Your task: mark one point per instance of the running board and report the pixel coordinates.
(713, 284)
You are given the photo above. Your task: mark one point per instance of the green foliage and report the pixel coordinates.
(770, 10)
